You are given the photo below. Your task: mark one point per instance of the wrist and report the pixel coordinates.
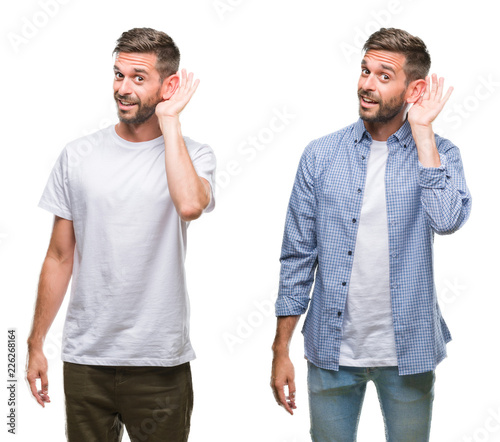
(169, 123)
(425, 140)
(280, 349)
(169, 119)
(422, 132)
(35, 343)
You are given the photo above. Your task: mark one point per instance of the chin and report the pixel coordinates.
(365, 114)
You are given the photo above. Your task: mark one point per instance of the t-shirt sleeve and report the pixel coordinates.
(55, 197)
(204, 163)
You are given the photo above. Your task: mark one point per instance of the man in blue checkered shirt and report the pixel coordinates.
(360, 225)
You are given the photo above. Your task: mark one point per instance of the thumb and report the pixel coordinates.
(45, 382)
(291, 392)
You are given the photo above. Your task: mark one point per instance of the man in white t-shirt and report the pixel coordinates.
(365, 206)
(122, 199)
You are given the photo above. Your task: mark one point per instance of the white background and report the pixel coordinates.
(254, 59)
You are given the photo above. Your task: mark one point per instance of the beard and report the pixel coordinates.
(386, 110)
(143, 112)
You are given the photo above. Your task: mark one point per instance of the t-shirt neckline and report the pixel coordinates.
(135, 145)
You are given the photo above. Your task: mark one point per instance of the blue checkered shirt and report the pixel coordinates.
(320, 238)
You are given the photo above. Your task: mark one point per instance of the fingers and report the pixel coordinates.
(36, 368)
(427, 91)
(186, 86)
(45, 382)
(435, 86)
(437, 89)
(41, 396)
(45, 397)
(189, 79)
(447, 95)
(291, 394)
(287, 402)
(32, 383)
(195, 86)
(279, 395)
(438, 84)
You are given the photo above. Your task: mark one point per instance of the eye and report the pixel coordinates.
(385, 77)
(118, 75)
(365, 71)
(139, 78)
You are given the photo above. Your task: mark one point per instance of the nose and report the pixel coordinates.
(124, 86)
(369, 83)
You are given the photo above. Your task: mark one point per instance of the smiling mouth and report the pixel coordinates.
(126, 103)
(368, 101)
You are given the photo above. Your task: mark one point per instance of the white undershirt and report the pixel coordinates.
(368, 331)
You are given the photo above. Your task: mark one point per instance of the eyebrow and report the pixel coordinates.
(387, 67)
(137, 70)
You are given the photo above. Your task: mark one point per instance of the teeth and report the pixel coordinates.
(368, 100)
(126, 103)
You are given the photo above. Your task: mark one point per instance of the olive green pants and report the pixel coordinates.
(153, 403)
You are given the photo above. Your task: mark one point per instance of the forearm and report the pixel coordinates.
(187, 190)
(425, 141)
(284, 332)
(54, 280)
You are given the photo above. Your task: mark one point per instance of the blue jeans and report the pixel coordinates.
(336, 397)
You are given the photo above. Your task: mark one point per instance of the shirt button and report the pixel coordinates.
(362, 157)
(339, 313)
(359, 190)
(394, 254)
(354, 220)
(349, 253)
(344, 283)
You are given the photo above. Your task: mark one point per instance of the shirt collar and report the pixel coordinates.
(402, 135)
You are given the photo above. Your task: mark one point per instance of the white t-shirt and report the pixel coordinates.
(368, 330)
(129, 304)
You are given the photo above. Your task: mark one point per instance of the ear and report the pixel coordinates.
(169, 86)
(415, 90)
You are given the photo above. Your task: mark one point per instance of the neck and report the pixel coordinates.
(137, 133)
(382, 131)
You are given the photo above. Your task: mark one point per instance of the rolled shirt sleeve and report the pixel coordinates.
(299, 249)
(445, 196)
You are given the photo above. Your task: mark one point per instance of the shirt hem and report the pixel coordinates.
(129, 362)
(368, 362)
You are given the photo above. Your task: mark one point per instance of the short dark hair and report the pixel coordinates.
(418, 60)
(151, 41)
